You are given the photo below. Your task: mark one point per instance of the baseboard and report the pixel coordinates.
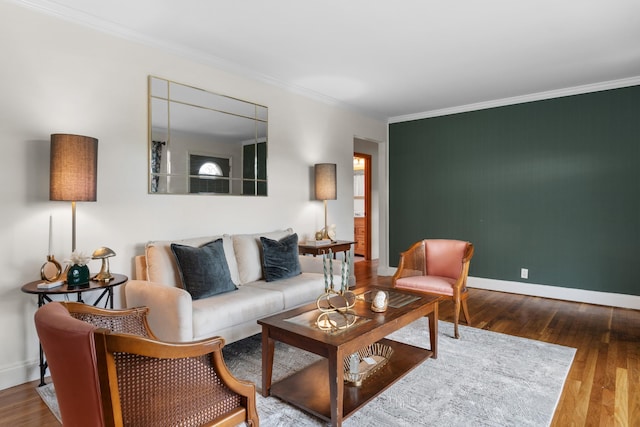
(557, 292)
(19, 373)
(546, 291)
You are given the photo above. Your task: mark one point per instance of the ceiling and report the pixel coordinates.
(390, 59)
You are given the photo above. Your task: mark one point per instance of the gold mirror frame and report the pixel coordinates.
(201, 142)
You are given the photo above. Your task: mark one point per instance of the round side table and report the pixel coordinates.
(44, 296)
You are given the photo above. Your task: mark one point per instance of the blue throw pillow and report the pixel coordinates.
(204, 270)
(280, 258)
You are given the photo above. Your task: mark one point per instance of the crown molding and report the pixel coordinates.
(576, 90)
(98, 24)
(57, 10)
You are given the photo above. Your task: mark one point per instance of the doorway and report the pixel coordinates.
(362, 204)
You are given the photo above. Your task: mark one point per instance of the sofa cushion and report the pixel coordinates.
(280, 257)
(211, 315)
(295, 291)
(162, 267)
(204, 270)
(247, 249)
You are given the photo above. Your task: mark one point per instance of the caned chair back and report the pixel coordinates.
(185, 388)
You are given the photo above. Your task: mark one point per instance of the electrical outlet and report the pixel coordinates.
(524, 273)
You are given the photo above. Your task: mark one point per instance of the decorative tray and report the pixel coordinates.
(368, 360)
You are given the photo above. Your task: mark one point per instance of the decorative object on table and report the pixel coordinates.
(104, 254)
(78, 271)
(361, 365)
(318, 242)
(334, 304)
(73, 172)
(331, 232)
(50, 270)
(380, 302)
(325, 188)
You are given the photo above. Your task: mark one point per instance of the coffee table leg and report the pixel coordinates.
(336, 386)
(433, 330)
(268, 346)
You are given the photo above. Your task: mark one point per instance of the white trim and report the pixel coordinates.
(557, 292)
(96, 23)
(546, 291)
(19, 373)
(576, 90)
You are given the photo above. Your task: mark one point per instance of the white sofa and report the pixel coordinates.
(175, 316)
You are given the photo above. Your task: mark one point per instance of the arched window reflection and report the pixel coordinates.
(210, 168)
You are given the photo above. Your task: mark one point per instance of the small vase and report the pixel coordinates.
(78, 275)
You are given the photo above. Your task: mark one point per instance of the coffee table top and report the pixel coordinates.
(301, 321)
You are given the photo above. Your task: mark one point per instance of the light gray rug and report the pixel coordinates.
(482, 379)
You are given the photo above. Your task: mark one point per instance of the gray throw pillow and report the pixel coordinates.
(204, 270)
(280, 258)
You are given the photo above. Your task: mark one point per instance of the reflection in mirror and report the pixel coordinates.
(205, 143)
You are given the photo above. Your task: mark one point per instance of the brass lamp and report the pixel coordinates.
(73, 172)
(325, 188)
(104, 254)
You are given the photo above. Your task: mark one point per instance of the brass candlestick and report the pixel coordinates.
(51, 270)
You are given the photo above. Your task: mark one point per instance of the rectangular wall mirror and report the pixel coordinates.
(201, 142)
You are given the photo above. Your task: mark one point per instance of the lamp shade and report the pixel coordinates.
(73, 169)
(325, 181)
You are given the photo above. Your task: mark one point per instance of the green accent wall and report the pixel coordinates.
(552, 186)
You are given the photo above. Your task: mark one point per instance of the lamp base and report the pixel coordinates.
(103, 277)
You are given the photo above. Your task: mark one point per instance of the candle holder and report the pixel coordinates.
(51, 270)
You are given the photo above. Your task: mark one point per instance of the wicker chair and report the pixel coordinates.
(437, 267)
(113, 372)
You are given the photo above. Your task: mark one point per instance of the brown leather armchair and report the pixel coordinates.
(109, 370)
(437, 267)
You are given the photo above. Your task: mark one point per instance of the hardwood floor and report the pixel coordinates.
(602, 389)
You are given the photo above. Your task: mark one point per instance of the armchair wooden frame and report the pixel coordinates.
(126, 320)
(413, 263)
(188, 377)
(110, 370)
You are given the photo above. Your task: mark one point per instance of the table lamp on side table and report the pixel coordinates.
(73, 172)
(325, 188)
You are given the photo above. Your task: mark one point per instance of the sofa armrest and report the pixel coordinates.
(141, 267)
(170, 309)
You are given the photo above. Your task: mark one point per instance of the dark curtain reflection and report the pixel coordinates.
(156, 157)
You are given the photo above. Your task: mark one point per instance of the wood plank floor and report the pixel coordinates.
(602, 389)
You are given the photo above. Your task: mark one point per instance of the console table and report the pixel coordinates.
(44, 296)
(320, 249)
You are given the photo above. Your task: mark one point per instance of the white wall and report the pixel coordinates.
(58, 77)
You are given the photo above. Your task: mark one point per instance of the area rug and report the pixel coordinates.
(483, 379)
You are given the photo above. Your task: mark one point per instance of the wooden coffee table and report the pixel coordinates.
(319, 388)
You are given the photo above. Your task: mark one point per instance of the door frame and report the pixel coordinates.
(367, 201)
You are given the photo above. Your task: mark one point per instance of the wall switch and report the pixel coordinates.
(524, 273)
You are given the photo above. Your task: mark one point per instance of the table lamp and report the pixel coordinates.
(325, 188)
(73, 172)
(103, 254)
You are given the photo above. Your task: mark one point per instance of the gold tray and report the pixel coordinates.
(377, 353)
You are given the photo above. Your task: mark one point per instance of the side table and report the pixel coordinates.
(336, 246)
(44, 297)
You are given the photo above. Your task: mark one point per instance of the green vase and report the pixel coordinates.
(78, 275)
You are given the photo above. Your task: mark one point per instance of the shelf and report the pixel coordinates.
(309, 388)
